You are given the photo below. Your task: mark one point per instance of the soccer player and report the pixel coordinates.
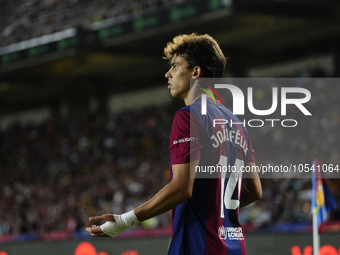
(205, 210)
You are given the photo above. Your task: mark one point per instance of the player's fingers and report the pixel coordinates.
(105, 217)
(88, 230)
(96, 231)
(96, 218)
(92, 230)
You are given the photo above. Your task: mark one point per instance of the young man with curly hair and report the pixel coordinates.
(204, 210)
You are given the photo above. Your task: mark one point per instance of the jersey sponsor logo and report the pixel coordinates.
(230, 233)
(187, 139)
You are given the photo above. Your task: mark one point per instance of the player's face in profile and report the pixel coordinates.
(179, 77)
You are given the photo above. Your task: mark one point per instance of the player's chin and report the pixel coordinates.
(175, 93)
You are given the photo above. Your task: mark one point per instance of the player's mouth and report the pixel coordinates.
(169, 85)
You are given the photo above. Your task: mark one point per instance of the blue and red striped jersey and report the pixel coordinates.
(207, 223)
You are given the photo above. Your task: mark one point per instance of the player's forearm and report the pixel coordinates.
(166, 199)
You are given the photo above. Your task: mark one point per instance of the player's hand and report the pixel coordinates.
(114, 224)
(96, 231)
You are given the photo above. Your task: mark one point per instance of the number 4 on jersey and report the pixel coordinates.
(234, 178)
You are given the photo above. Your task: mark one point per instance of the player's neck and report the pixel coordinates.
(190, 100)
(193, 94)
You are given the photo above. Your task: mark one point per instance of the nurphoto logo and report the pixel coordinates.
(290, 97)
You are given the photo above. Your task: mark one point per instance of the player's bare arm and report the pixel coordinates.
(252, 189)
(173, 194)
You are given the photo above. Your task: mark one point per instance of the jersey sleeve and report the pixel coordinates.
(185, 138)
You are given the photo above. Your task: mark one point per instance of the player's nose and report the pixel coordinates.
(167, 74)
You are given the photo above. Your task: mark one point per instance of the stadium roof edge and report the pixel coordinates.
(38, 41)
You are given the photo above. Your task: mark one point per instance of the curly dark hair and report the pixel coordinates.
(198, 50)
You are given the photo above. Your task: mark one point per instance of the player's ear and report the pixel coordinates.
(196, 72)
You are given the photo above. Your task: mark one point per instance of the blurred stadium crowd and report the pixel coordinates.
(54, 176)
(26, 19)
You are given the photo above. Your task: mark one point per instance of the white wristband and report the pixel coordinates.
(130, 218)
(121, 223)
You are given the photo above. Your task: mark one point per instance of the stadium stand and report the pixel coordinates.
(23, 20)
(48, 171)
